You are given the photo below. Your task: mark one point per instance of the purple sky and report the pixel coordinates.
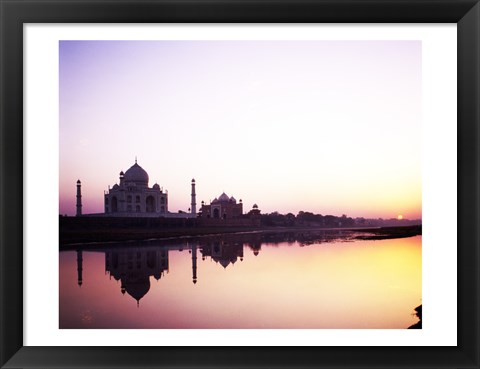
(331, 127)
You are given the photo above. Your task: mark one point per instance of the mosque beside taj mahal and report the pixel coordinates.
(132, 197)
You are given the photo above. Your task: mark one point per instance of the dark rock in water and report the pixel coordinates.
(416, 325)
(418, 313)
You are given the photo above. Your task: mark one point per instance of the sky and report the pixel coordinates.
(331, 127)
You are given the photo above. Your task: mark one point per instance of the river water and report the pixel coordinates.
(263, 280)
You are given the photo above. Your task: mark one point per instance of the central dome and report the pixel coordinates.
(137, 175)
(224, 197)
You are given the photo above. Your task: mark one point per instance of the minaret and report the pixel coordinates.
(121, 178)
(193, 206)
(79, 267)
(79, 198)
(194, 263)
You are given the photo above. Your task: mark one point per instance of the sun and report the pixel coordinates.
(400, 217)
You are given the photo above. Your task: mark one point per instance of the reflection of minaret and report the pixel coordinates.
(79, 198)
(193, 206)
(194, 262)
(79, 267)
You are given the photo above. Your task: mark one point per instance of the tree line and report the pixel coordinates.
(306, 218)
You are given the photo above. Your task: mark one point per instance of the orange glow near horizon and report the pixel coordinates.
(366, 205)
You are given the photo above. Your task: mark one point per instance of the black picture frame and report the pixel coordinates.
(15, 13)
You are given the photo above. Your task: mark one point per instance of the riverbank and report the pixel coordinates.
(385, 233)
(69, 236)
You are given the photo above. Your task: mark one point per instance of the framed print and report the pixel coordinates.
(225, 184)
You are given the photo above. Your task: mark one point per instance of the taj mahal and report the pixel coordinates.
(132, 197)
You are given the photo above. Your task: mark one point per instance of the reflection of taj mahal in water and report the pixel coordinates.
(132, 197)
(133, 267)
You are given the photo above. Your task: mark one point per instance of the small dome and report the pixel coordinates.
(78, 182)
(255, 206)
(215, 200)
(137, 175)
(121, 173)
(156, 186)
(193, 180)
(232, 199)
(223, 197)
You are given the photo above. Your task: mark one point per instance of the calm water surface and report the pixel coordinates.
(283, 280)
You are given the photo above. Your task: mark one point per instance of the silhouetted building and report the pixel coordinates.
(255, 212)
(79, 198)
(223, 207)
(133, 196)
